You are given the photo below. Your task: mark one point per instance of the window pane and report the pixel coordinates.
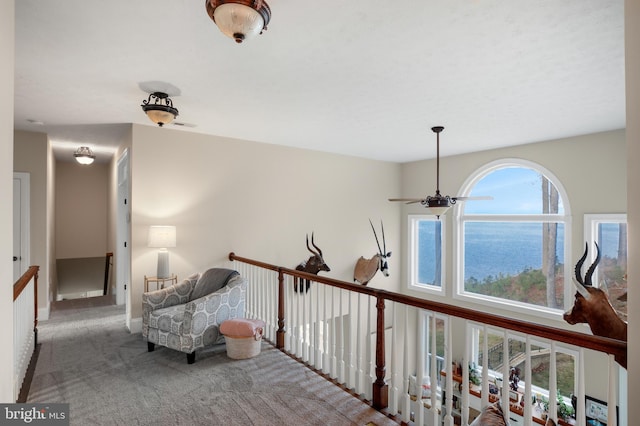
(612, 269)
(429, 251)
(515, 190)
(507, 260)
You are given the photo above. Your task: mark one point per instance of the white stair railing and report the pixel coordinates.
(334, 325)
(24, 325)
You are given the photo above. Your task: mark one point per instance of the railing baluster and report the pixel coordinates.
(505, 375)
(420, 356)
(369, 359)
(393, 374)
(333, 331)
(611, 396)
(433, 371)
(528, 373)
(342, 375)
(448, 419)
(326, 356)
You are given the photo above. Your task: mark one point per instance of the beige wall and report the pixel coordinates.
(258, 201)
(7, 37)
(632, 63)
(30, 156)
(81, 209)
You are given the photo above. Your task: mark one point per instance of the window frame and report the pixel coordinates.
(458, 239)
(591, 222)
(413, 250)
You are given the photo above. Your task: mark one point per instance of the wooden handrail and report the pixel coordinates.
(22, 282)
(601, 344)
(107, 265)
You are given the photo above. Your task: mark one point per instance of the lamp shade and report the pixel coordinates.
(162, 236)
(239, 19)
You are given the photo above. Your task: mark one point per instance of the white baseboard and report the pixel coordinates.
(135, 325)
(43, 313)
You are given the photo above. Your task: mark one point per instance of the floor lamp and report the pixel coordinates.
(162, 237)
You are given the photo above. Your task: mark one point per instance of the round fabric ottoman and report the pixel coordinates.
(243, 337)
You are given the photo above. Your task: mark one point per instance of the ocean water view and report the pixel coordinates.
(494, 248)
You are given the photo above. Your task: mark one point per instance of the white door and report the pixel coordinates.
(20, 224)
(123, 233)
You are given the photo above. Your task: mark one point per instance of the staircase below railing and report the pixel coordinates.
(377, 343)
(25, 324)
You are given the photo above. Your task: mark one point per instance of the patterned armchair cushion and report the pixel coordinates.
(167, 319)
(211, 281)
(169, 296)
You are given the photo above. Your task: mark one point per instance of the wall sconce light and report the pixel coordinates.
(159, 108)
(239, 19)
(162, 237)
(84, 155)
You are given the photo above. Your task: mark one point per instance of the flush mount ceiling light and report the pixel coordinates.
(84, 155)
(239, 19)
(159, 108)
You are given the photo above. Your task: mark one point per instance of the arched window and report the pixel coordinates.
(511, 249)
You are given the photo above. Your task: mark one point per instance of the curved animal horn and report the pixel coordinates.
(592, 268)
(580, 288)
(376, 235)
(314, 244)
(309, 248)
(579, 264)
(384, 241)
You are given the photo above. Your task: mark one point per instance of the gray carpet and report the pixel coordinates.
(89, 360)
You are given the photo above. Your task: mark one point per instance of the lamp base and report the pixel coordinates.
(163, 264)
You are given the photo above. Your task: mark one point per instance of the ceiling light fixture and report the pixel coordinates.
(438, 204)
(84, 155)
(159, 108)
(240, 19)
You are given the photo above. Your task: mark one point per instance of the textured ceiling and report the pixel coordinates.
(367, 79)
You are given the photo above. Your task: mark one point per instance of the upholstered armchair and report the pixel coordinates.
(187, 316)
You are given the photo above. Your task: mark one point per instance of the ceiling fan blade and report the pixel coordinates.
(482, 197)
(407, 200)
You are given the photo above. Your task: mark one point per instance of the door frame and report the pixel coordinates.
(25, 218)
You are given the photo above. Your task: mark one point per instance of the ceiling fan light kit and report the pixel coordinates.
(437, 204)
(159, 108)
(239, 19)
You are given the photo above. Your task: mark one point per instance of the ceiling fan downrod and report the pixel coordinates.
(437, 130)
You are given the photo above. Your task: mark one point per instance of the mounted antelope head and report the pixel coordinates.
(313, 265)
(592, 306)
(366, 269)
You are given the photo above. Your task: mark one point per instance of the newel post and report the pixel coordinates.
(281, 331)
(380, 387)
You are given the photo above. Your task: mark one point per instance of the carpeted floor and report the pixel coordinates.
(89, 360)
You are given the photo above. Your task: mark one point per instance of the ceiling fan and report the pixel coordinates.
(438, 204)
